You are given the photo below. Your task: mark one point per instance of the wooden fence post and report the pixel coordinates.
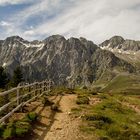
(29, 90)
(40, 86)
(49, 85)
(18, 100)
(6, 100)
(44, 84)
(36, 86)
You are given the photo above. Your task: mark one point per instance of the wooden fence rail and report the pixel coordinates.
(17, 97)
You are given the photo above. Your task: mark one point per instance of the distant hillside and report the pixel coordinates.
(127, 84)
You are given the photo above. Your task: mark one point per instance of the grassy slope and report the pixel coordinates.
(109, 119)
(104, 78)
(124, 84)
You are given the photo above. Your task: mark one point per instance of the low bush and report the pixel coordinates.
(17, 128)
(84, 87)
(70, 91)
(98, 117)
(92, 92)
(2, 128)
(9, 131)
(82, 100)
(14, 129)
(22, 128)
(103, 96)
(32, 116)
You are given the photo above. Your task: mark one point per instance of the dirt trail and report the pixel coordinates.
(64, 126)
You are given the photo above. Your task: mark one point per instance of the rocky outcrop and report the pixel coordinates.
(118, 43)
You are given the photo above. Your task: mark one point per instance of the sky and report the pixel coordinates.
(96, 20)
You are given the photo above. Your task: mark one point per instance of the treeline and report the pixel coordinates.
(6, 81)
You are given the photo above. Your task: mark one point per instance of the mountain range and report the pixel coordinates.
(73, 61)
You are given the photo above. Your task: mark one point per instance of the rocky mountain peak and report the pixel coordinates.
(113, 42)
(117, 39)
(119, 44)
(83, 39)
(54, 38)
(14, 38)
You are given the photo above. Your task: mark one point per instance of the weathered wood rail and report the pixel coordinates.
(17, 97)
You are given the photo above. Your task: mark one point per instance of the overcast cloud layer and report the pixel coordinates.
(96, 20)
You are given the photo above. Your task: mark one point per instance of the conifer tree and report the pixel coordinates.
(3, 78)
(17, 77)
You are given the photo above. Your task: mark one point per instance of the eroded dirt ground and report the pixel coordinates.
(60, 125)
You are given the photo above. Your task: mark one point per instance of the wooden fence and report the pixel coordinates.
(16, 98)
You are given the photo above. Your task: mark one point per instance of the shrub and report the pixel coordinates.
(98, 117)
(9, 132)
(93, 92)
(2, 127)
(18, 128)
(22, 128)
(30, 117)
(70, 91)
(103, 96)
(84, 87)
(82, 100)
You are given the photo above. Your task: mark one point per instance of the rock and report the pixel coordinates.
(117, 42)
(69, 113)
(59, 128)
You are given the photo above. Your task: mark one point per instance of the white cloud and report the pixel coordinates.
(4, 23)
(95, 20)
(29, 32)
(13, 2)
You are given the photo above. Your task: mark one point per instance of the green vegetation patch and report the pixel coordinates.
(22, 128)
(81, 99)
(30, 117)
(9, 131)
(124, 84)
(18, 128)
(111, 120)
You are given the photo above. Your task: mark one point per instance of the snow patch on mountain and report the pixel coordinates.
(28, 45)
(4, 64)
(117, 49)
